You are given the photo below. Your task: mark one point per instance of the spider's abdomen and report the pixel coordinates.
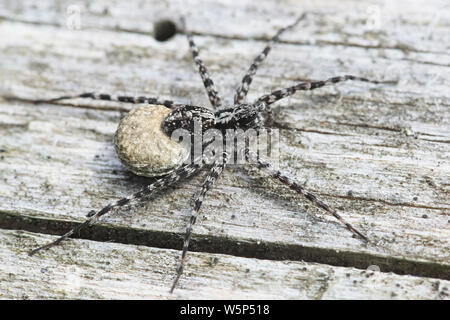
(143, 147)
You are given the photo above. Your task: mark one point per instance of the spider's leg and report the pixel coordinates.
(107, 97)
(241, 92)
(290, 183)
(306, 86)
(165, 181)
(207, 81)
(210, 179)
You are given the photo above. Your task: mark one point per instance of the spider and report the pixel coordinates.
(180, 116)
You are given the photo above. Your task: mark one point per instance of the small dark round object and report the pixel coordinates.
(164, 30)
(91, 213)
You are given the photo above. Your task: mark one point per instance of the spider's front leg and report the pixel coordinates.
(290, 183)
(307, 86)
(213, 95)
(242, 91)
(210, 179)
(108, 97)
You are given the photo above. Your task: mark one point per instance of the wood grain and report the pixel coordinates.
(102, 270)
(378, 154)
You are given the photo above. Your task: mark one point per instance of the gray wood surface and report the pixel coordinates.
(102, 270)
(378, 154)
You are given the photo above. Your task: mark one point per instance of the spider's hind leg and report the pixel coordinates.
(107, 97)
(209, 181)
(163, 182)
(291, 184)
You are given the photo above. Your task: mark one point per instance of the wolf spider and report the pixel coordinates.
(239, 116)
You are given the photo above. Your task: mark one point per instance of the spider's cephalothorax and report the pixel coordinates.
(242, 116)
(187, 117)
(143, 141)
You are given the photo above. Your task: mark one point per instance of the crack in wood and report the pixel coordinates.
(227, 245)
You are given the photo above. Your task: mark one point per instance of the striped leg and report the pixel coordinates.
(276, 174)
(241, 92)
(306, 86)
(207, 81)
(171, 178)
(107, 97)
(210, 179)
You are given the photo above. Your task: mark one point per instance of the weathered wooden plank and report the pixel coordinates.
(410, 27)
(35, 183)
(381, 154)
(93, 270)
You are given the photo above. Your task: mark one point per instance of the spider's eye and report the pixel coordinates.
(190, 118)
